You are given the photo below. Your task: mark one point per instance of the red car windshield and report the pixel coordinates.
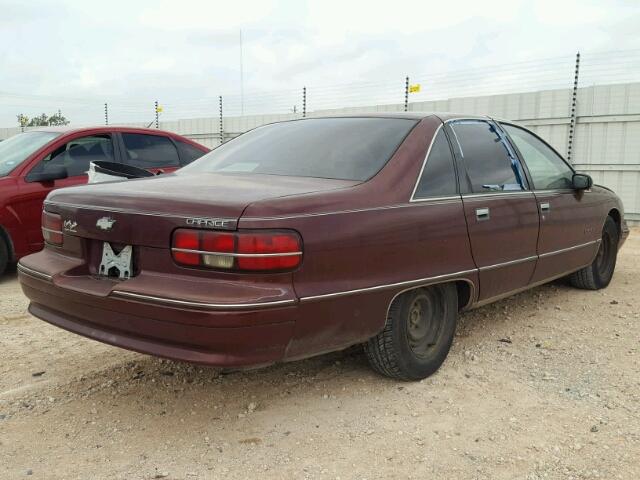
(16, 149)
(341, 148)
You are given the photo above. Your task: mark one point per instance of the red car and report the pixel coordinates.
(312, 235)
(34, 163)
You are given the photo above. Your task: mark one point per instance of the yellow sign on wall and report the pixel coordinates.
(415, 88)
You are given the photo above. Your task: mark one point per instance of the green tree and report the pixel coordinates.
(43, 120)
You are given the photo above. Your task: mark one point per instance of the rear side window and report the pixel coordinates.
(76, 155)
(149, 151)
(490, 163)
(342, 148)
(188, 153)
(438, 177)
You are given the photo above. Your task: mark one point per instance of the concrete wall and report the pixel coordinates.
(606, 142)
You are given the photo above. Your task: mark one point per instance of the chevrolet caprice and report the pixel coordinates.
(309, 236)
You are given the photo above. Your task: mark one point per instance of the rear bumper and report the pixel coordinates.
(182, 333)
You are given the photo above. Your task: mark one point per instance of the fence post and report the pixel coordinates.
(406, 94)
(304, 102)
(221, 129)
(106, 114)
(574, 111)
(157, 114)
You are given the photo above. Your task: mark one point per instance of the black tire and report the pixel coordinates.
(598, 275)
(418, 333)
(4, 256)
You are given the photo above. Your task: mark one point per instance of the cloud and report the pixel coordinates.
(186, 54)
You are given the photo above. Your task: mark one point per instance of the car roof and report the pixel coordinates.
(444, 116)
(105, 128)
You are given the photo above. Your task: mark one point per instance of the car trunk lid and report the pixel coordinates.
(144, 212)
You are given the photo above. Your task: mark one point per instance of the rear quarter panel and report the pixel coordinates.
(366, 236)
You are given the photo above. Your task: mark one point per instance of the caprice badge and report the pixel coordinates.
(105, 223)
(225, 223)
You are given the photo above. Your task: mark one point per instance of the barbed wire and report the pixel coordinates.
(597, 68)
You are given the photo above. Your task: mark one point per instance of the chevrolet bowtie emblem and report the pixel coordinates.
(105, 223)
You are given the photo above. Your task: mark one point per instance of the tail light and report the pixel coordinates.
(242, 251)
(52, 228)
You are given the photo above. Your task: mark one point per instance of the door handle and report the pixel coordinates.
(545, 207)
(482, 214)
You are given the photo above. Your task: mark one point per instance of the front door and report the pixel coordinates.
(569, 230)
(500, 209)
(75, 156)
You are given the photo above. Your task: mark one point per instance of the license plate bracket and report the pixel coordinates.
(116, 264)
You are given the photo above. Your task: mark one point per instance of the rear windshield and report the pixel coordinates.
(16, 149)
(341, 148)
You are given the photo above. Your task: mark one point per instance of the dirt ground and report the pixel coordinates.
(544, 385)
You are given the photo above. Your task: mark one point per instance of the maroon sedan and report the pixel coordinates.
(35, 162)
(309, 236)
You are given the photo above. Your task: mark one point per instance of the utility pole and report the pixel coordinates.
(574, 112)
(106, 114)
(241, 77)
(157, 114)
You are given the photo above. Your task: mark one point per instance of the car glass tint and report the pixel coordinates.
(486, 157)
(341, 148)
(149, 151)
(438, 177)
(76, 155)
(547, 169)
(188, 153)
(16, 149)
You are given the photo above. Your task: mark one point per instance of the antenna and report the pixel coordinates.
(241, 78)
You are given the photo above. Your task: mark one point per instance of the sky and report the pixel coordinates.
(77, 55)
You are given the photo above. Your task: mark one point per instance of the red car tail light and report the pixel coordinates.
(185, 246)
(52, 228)
(242, 251)
(265, 251)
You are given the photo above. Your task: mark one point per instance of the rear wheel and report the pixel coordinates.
(599, 273)
(4, 256)
(418, 333)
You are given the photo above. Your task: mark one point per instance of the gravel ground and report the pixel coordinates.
(544, 385)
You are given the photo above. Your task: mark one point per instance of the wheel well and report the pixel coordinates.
(463, 289)
(464, 293)
(615, 214)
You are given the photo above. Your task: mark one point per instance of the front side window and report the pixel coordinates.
(18, 148)
(547, 169)
(77, 154)
(340, 148)
(490, 163)
(149, 151)
(438, 177)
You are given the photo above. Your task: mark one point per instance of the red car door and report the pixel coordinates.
(74, 156)
(500, 209)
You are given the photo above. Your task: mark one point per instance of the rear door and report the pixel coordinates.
(75, 155)
(156, 153)
(569, 225)
(500, 209)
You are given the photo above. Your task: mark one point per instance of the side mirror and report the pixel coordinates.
(582, 181)
(50, 174)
